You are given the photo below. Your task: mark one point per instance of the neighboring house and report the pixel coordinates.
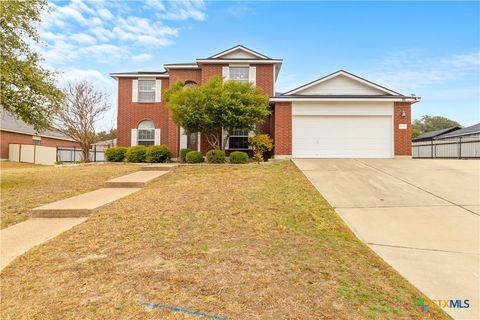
(465, 133)
(453, 143)
(339, 115)
(106, 143)
(431, 135)
(16, 131)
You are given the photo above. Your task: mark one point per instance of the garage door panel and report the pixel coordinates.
(342, 136)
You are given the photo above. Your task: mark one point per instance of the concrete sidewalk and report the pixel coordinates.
(82, 205)
(135, 180)
(19, 238)
(420, 216)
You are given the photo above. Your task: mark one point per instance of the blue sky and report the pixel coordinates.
(431, 49)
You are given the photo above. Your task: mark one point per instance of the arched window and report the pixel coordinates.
(146, 133)
(189, 84)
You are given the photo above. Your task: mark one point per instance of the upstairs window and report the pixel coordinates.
(146, 133)
(240, 74)
(146, 90)
(238, 139)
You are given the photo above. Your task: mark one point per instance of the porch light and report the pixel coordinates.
(403, 114)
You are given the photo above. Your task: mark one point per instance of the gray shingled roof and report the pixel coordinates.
(475, 129)
(10, 123)
(432, 134)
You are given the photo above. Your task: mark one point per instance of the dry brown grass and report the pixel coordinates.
(26, 186)
(243, 242)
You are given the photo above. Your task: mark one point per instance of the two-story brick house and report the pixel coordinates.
(340, 115)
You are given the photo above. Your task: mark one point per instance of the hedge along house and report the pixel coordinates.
(340, 115)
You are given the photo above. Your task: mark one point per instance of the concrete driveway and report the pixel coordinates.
(420, 216)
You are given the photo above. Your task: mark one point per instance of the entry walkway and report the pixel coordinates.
(50, 220)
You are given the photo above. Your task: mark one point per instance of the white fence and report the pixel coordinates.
(467, 147)
(32, 153)
(50, 155)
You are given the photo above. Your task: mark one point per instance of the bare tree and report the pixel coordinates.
(82, 108)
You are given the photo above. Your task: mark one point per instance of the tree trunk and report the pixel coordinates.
(85, 152)
(225, 140)
(214, 141)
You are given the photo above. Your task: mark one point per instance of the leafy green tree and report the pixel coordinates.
(26, 89)
(431, 123)
(217, 105)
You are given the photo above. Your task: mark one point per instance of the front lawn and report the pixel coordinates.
(239, 242)
(26, 186)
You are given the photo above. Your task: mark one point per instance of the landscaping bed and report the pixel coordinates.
(26, 186)
(238, 242)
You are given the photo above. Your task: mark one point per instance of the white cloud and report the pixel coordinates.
(103, 53)
(179, 10)
(105, 14)
(95, 31)
(73, 75)
(142, 57)
(239, 10)
(83, 38)
(406, 72)
(70, 12)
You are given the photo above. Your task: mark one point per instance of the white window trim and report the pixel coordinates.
(157, 140)
(133, 137)
(227, 144)
(135, 90)
(242, 67)
(157, 90)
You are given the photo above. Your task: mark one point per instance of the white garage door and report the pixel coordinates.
(342, 136)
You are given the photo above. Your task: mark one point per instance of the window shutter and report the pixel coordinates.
(183, 138)
(158, 90)
(157, 136)
(251, 133)
(135, 91)
(225, 74)
(252, 75)
(133, 141)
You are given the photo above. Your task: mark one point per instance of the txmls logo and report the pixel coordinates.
(424, 304)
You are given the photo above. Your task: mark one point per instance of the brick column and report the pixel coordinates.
(402, 134)
(283, 130)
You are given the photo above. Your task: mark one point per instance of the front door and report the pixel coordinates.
(192, 141)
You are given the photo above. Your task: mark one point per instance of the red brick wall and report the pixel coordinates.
(283, 128)
(210, 70)
(130, 114)
(7, 137)
(265, 78)
(184, 75)
(402, 137)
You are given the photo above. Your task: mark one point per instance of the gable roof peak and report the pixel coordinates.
(239, 47)
(347, 74)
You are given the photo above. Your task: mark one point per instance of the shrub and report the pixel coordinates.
(194, 157)
(260, 143)
(115, 154)
(136, 154)
(157, 154)
(238, 157)
(183, 154)
(216, 156)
